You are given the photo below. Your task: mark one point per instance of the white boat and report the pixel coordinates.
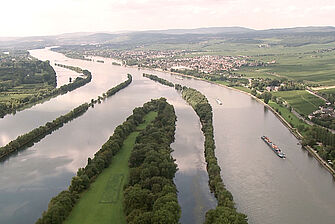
(218, 101)
(178, 77)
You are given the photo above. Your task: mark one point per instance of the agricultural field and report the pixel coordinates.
(103, 201)
(327, 91)
(302, 101)
(310, 68)
(22, 91)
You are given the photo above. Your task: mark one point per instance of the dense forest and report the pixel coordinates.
(61, 205)
(151, 195)
(38, 133)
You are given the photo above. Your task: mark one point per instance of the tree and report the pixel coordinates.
(266, 96)
(253, 92)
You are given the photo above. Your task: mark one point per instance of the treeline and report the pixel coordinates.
(225, 212)
(151, 195)
(12, 107)
(157, 79)
(60, 206)
(73, 68)
(328, 122)
(122, 85)
(39, 133)
(317, 134)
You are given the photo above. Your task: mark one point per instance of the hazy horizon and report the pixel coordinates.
(39, 18)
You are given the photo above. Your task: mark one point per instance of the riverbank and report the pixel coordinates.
(293, 130)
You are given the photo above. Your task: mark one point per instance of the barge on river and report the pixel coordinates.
(274, 147)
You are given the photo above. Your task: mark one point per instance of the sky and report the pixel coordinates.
(50, 17)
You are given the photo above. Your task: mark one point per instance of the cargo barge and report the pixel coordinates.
(274, 147)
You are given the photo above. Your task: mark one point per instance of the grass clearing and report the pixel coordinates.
(302, 101)
(103, 202)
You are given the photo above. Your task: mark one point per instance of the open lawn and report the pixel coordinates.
(302, 101)
(102, 203)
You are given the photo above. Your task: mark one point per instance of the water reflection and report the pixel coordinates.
(47, 168)
(266, 188)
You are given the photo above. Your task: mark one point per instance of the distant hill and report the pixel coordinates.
(290, 36)
(206, 30)
(309, 29)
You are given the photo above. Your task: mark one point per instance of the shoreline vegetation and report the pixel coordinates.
(225, 210)
(294, 127)
(286, 122)
(48, 94)
(149, 191)
(103, 201)
(28, 139)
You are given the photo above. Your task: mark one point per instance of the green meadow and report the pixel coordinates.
(103, 202)
(288, 116)
(302, 101)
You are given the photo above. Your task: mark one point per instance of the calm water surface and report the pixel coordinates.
(268, 189)
(265, 187)
(30, 178)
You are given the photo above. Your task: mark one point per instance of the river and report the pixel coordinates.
(265, 187)
(30, 178)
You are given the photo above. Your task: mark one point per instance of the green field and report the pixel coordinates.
(288, 116)
(328, 91)
(103, 202)
(308, 67)
(22, 91)
(302, 101)
(242, 88)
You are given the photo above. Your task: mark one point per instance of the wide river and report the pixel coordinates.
(265, 187)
